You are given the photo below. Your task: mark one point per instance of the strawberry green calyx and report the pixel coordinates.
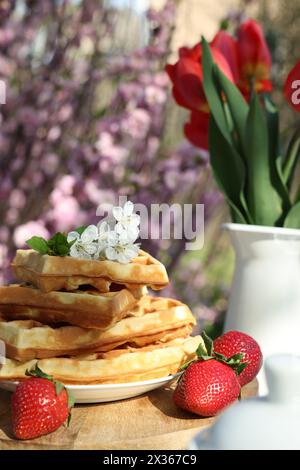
(38, 373)
(206, 352)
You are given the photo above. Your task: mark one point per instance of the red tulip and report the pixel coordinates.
(292, 87)
(254, 58)
(227, 45)
(196, 130)
(187, 77)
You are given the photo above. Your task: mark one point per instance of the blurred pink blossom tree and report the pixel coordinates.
(84, 123)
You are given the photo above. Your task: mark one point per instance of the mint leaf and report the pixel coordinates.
(38, 244)
(58, 245)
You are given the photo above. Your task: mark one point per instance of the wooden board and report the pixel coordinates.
(150, 421)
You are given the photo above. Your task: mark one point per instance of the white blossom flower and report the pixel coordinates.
(112, 239)
(104, 228)
(85, 246)
(127, 220)
(120, 247)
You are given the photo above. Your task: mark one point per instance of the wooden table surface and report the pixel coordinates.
(150, 421)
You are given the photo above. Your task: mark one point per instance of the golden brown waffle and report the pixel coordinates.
(83, 308)
(70, 283)
(124, 365)
(28, 339)
(31, 266)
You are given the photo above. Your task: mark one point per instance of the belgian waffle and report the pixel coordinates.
(49, 272)
(154, 320)
(117, 366)
(70, 283)
(83, 308)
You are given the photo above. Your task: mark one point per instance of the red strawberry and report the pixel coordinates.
(235, 342)
(39, 406)
(207, 387)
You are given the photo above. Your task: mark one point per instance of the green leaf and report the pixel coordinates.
(220, 357)
(187, 364)
(264, 202)
(38, 244)
(58, 387)
(291, 158)
(69, 419)
(201, 351)
(209, 344)
(71, 399)
(236, 357)
(292, 219)
(242, 366)
(58, 245)
(238, 109)
(206, 358)
(80, 229)
(272, 116)
(212, 93)
(229, 172)
(275, 158)
(37, 372)
(281, 184)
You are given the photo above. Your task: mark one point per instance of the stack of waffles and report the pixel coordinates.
(92, 321)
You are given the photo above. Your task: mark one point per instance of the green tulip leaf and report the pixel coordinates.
(272, 116)
(292, 220)
(213, 95)
(264, 202)
(291, 159)
(238, 109)
(275, 158)
(229, 172)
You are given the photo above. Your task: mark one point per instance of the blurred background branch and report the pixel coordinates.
(88, 117)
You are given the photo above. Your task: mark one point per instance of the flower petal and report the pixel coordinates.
(123, 258)
(91, 248)
(123, 238)
(132, 251)
(128, 208)
(135, 219)
(112, 238)
(103, 227)
(118, 213)
(120, 228)
(111, 253)
(73, 236)
(132, 233)
(90, 234)
(76, 252)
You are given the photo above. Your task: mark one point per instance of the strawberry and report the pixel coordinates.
(210, 383)
(39, 406)
(236, 342)
(207, 387)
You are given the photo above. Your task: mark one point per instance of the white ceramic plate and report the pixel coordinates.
(106, 393)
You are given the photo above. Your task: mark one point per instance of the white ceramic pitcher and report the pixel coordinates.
(261, 423)
(265, 293)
